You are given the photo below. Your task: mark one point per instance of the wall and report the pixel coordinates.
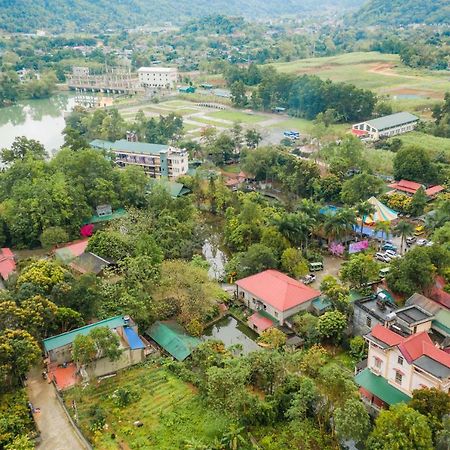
(104, 366)
(359, 321)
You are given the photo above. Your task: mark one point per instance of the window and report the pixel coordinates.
(377, 363)
(398, 377)
(276, 314)
(400, 360)
(369, 321)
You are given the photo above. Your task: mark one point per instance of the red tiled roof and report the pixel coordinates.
(385, 335)
(412, 347)
(411, 187)
(262, 323)
(277, 289)
(440, 296)
(433, 190)
(7, 263)
(77, 248)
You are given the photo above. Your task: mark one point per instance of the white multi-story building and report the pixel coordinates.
(387, 126)
(398, 365)
(158, 77)
(157, 160)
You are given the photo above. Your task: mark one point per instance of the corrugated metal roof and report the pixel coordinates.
(431, 366)
(133, 339)
(173, 339)
(393, 120)
(67, 338)
(131, 147)
(380, 388)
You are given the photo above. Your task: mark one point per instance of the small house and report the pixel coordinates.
(274, 296)
(89, 262)
(7, 263)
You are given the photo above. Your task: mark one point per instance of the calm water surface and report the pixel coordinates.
(232, 332)
(42, 120)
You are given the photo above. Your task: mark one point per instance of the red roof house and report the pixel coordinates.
(259, 323)
(411, 187)
(277, 294)
(7, 263)
(386, 335)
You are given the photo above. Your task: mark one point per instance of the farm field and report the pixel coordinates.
(170, 410)
(383, 73)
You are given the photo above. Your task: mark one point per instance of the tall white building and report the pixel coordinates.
(156, 160)
(158, 77)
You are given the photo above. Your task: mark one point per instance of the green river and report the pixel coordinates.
(42, 120)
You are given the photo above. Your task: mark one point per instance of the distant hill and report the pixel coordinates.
(401, 12)
(101, 15)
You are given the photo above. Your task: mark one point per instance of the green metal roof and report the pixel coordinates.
(173, 339)
(131, 147)
(321, 303)
(393, 120)
(67, 338)
(380, 387)
(172, 187)
(117, 214)
(442, 321)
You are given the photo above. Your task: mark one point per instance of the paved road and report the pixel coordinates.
(56, 431)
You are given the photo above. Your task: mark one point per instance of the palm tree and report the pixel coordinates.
(332, 227)
(364, 209)
(347, 219)
(403, 229)
(384, 228)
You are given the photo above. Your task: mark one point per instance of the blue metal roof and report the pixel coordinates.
(133, 339)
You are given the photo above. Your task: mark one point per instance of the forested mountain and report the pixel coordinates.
(401, 12)
(100, 15)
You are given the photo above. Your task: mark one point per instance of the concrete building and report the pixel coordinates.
(387, 126)
(58, 349)
(397, 365)
(156, 160)
(274, 297)
(158, 77)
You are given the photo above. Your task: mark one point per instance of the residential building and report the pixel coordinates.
(156, 160)
(71, 251)
(7, 263)
(375, 310)
(89, 262)
(386, 126)
(398, 365)
(58, 349)
(411, 187)
(274, 296)
(370, 311)
(158, 77)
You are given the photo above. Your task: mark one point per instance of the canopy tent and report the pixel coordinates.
(382, 213)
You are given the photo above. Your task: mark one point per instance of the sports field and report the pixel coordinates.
(170, 411)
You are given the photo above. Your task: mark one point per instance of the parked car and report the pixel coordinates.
(429, 244)
(383, 272)
(389, 246)
(410, 240)
(308, 279)
(392, 254)
(422, 242)
(419, 230)
(382, 257)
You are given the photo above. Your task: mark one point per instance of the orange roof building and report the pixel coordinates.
(7, 263)
(276, 294)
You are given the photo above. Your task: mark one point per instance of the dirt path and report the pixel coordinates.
(56, 431)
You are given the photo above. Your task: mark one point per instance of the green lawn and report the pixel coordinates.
(412, 89)
(433, 144)
(210, 121)
(238, 116)
(305, 126)
(170, 410)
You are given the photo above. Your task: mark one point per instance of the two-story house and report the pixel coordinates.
(274, 297)
(397, 365)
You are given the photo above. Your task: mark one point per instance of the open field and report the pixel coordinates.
(238, 116)
(170, 410)
(305, 126)
(435, 145)
(383, 73)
